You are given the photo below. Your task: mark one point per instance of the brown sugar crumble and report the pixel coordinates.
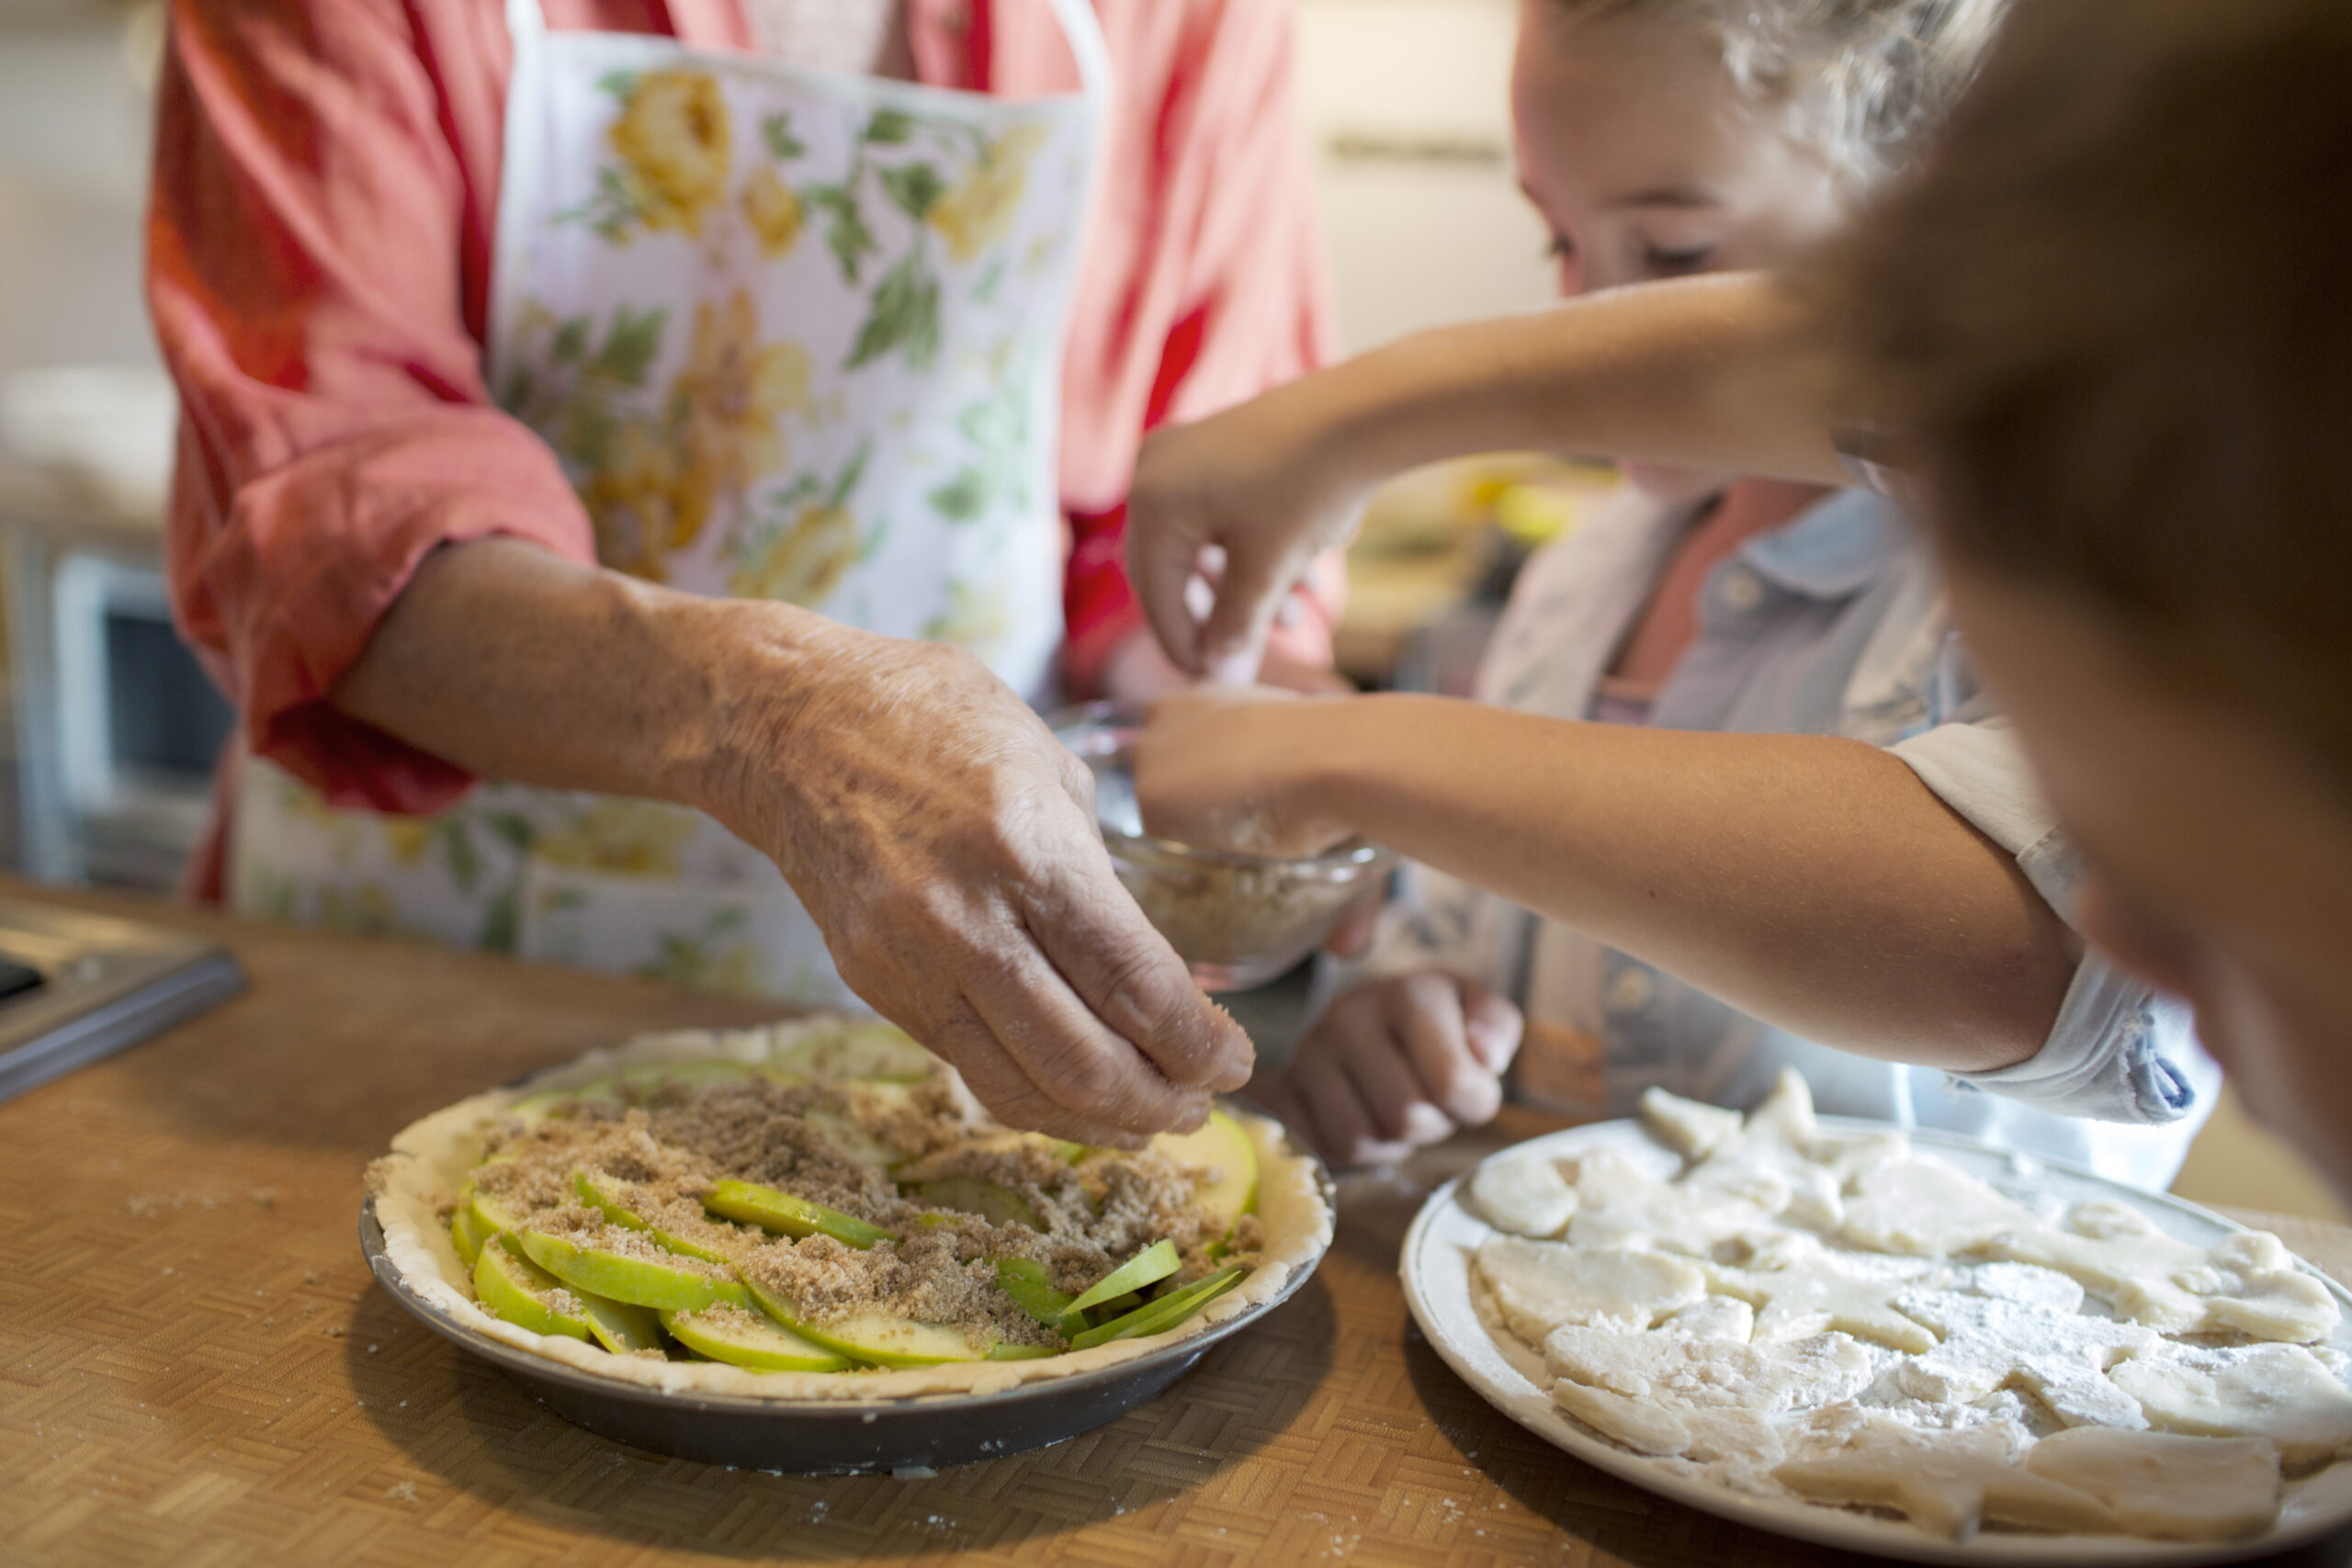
(851, 1147)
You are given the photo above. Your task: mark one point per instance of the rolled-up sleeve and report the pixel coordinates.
(2119, 1051)
(309, 233)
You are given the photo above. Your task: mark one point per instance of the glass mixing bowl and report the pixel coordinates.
(1238, 921)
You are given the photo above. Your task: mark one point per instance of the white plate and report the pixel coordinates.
(1435, 1266)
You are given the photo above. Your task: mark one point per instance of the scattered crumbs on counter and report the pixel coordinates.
(403, 1493)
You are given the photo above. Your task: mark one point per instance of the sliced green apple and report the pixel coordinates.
(1005, 1350)
(1152, 1264)
(877, 1338)
(1219, 1145)
(1104, 1312)
(875, 1051)
(750, 1339)
(618, 1326)
(851, 1141)
(600, 1193)
(687, 1285)
(465, 1232)
(493, 1214)
(992, 1200)
(771, 1209)
(1027, 1282)
(510, 1285)
(1160, 1317)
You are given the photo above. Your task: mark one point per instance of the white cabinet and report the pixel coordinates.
(1407, 104)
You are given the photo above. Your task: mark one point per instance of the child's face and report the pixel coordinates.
(1648, 160)
(2221, 862)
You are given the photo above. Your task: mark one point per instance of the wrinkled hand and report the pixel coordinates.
(1245, 501)
(945, 844)
(1395, 1065)
(1222, 768)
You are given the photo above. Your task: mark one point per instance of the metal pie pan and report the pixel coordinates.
(835, 1437)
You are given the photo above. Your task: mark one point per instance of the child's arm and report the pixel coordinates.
(1813, 882)
(1715, 373)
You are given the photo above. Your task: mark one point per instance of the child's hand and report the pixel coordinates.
(1247, 498)
(1396, 1065)
(1222, 767)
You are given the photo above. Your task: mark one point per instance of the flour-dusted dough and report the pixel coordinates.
(2163, 1484)
(1713, 1317)
(1712, 1373)
(1927, 1207)
(1947, 1481)
(1767, 1158)
(1524, 1194)
(1539, 1286)
(1698, 1398)
(1981, 1327)
(2244, 1283)
(414, 1185)
(2028, 1283)
(2060, 1357)
(2280, 1392)
(1619, 1204)
(1643, 1424)
(1687, 1126)
(1809, 1289)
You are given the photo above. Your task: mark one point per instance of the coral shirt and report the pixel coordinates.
(325, 195)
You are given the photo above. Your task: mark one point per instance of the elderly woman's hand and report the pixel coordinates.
(945, 843)
(940, 835)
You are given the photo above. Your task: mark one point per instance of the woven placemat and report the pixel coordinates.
(195, 1367)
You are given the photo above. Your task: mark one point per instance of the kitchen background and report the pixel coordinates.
(110, 730)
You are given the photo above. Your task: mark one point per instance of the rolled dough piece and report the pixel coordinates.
(1696, 1398)
(2160, 1483)
(1539, 1286)
(1771, 1158)
(1927, 1208)
(1670, 1433)
(2061, 1357)
(1524, 1194)
(2245, 1283)
(1811, 1288)
(1948, 1483)
(1714, 1317)
(1688, 1127)
(1620, 1205)
(1722, 1374)
(2029, 1284)
(2280, 1392)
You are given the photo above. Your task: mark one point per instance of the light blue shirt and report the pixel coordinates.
(1831, 624)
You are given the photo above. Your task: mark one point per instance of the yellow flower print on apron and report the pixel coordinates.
(795, 335)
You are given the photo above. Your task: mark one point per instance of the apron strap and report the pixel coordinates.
(1080, 27)
(526, 23)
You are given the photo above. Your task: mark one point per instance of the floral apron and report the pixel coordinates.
(795, 335)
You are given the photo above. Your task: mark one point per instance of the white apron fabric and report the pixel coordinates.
(795, 335)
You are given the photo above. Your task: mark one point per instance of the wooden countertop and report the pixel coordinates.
(197, 1369)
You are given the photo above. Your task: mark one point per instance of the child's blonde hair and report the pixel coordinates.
(2112, 322)
(1860, 79)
